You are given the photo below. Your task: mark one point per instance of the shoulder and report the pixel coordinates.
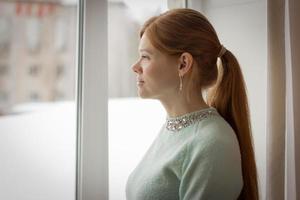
(213, 140)
(212, 162)
(212, 131)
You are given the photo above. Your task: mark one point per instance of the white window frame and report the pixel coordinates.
(92, 101)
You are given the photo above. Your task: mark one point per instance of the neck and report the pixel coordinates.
(179, 105)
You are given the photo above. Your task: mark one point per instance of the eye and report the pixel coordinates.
(145, 57)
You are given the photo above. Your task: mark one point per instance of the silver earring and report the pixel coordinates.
(180, 86)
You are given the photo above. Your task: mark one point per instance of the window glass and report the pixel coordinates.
(37, 95)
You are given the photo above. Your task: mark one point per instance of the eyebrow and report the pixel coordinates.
(146, 50)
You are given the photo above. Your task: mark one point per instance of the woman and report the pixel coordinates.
(204, 149)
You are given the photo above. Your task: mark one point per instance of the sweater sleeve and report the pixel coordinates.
(211, 168)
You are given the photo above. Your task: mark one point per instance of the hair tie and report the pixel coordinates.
(222, 51)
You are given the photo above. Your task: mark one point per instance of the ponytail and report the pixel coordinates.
(229, 97)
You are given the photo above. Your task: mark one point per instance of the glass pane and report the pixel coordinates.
(133, 122)
(37, 99)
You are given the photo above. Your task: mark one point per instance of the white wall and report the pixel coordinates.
(242, 28)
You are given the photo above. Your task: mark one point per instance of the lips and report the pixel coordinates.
(140, 80)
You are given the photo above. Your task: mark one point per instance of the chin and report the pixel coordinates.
(144, 95)
(148, 97)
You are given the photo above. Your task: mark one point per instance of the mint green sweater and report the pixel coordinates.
(201, 161)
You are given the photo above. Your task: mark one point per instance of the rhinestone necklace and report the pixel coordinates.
(175, 124)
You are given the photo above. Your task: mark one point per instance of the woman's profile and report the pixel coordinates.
(204, 149)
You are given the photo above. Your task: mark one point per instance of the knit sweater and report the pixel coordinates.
(200, 162)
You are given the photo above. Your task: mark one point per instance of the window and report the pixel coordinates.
(5, 34)
(34, 96)
(60, 69)
(34, 70)
(3, 96)
(3, 69)
(33, 33)
(37, 122)
(61, 33)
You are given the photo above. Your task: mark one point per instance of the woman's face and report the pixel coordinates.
(157, 73)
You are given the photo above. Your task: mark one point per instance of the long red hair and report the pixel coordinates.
(187, 30)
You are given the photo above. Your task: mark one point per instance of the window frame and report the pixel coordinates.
(92, 101)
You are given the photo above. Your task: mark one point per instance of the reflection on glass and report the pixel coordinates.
(37, 94)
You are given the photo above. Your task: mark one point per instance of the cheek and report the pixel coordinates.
(159, 75)
(153, 72)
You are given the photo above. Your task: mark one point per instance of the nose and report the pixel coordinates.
(137, 68)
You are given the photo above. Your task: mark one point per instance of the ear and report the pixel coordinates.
(185, 63)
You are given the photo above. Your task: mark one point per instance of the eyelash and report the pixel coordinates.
(145, 57)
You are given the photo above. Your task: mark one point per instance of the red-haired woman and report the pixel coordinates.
(204, 149)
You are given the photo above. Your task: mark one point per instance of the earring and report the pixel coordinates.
(180, 86)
